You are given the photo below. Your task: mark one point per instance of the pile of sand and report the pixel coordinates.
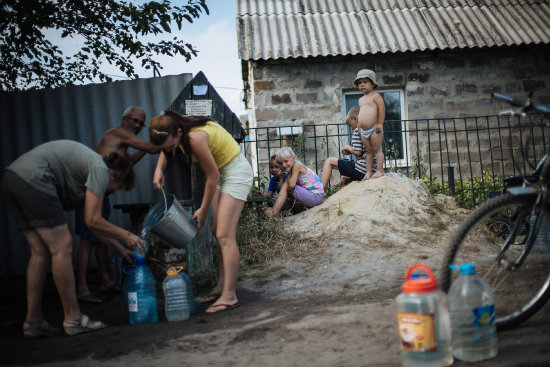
(391, 209)
(370, 233)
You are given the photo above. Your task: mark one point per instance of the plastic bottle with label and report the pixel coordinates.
(423, 321)
(174, 286)
(142, 294)
(472, 316)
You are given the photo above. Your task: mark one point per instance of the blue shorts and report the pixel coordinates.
(347, 168)
(80, 227)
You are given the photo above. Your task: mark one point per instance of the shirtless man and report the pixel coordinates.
(372, 112)
(116, 140)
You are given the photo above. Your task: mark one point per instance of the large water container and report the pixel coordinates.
(423, 320)
(174, 286)
(472, 317)
(142, 295)
(190, 295)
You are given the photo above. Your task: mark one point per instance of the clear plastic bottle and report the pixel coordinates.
(423, 321)
(190, 295)
(176, 306)
(142, 295)
(472, 317)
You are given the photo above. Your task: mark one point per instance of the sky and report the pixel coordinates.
(215, 37)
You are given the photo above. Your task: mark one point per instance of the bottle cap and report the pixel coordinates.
(468, 269)
(174, 270)
(419, 282)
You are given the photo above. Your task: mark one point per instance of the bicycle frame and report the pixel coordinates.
(492, 234)
(541, 207)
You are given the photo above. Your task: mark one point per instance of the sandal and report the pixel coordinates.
(74, 327)
(221, 307)
(38, 330)
(211, 297)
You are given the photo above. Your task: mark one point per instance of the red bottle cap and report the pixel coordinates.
(419, 282)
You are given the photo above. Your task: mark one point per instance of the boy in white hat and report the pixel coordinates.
(372, 112)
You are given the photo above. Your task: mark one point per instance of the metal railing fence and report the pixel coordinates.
(466, 156)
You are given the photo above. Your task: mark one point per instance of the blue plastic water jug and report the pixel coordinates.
(142, 295)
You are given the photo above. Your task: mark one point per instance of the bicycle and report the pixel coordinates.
(499, 237)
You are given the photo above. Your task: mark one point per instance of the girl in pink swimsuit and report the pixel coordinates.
(304, 184)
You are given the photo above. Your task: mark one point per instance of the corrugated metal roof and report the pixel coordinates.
(273, 29)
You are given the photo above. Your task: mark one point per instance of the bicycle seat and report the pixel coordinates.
(518, 180)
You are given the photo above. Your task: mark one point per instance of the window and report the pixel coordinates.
(394, 136)
(288, 134)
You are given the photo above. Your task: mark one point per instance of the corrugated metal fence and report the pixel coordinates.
(81, 113)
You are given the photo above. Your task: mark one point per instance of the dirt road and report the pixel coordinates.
(358, 330)
(336, 309)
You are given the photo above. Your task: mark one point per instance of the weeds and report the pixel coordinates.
(261, 241)
(204, 279)
(468, 193)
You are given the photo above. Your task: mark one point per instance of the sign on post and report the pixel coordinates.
(200, 107)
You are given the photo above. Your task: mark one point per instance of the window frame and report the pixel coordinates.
(401, 162)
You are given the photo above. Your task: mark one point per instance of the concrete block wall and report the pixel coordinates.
(436, 84)
(473, 145)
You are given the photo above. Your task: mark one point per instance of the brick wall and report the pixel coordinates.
(436, 85)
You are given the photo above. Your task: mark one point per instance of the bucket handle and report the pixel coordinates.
(176, 268)
(420, 266)
(165, 202)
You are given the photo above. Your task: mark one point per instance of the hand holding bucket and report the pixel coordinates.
(168, 220)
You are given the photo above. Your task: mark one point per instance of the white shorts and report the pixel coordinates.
(236, 178)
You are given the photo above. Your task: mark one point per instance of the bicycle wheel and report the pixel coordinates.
(519, 292)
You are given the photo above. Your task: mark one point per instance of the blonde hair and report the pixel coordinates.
(285, 153)
(353, 112)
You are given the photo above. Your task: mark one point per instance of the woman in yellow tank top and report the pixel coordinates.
(228, 181)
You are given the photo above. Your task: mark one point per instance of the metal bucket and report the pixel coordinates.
(168, 220)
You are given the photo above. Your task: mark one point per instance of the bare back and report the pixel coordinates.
(113, 142)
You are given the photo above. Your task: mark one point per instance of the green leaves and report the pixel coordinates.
(471, 192)
(106, 31)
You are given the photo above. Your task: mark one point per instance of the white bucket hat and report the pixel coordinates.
(366, 73)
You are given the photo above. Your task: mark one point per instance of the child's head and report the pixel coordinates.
(364, 76)
(286, 157)
(274, 166)
(351, 118)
